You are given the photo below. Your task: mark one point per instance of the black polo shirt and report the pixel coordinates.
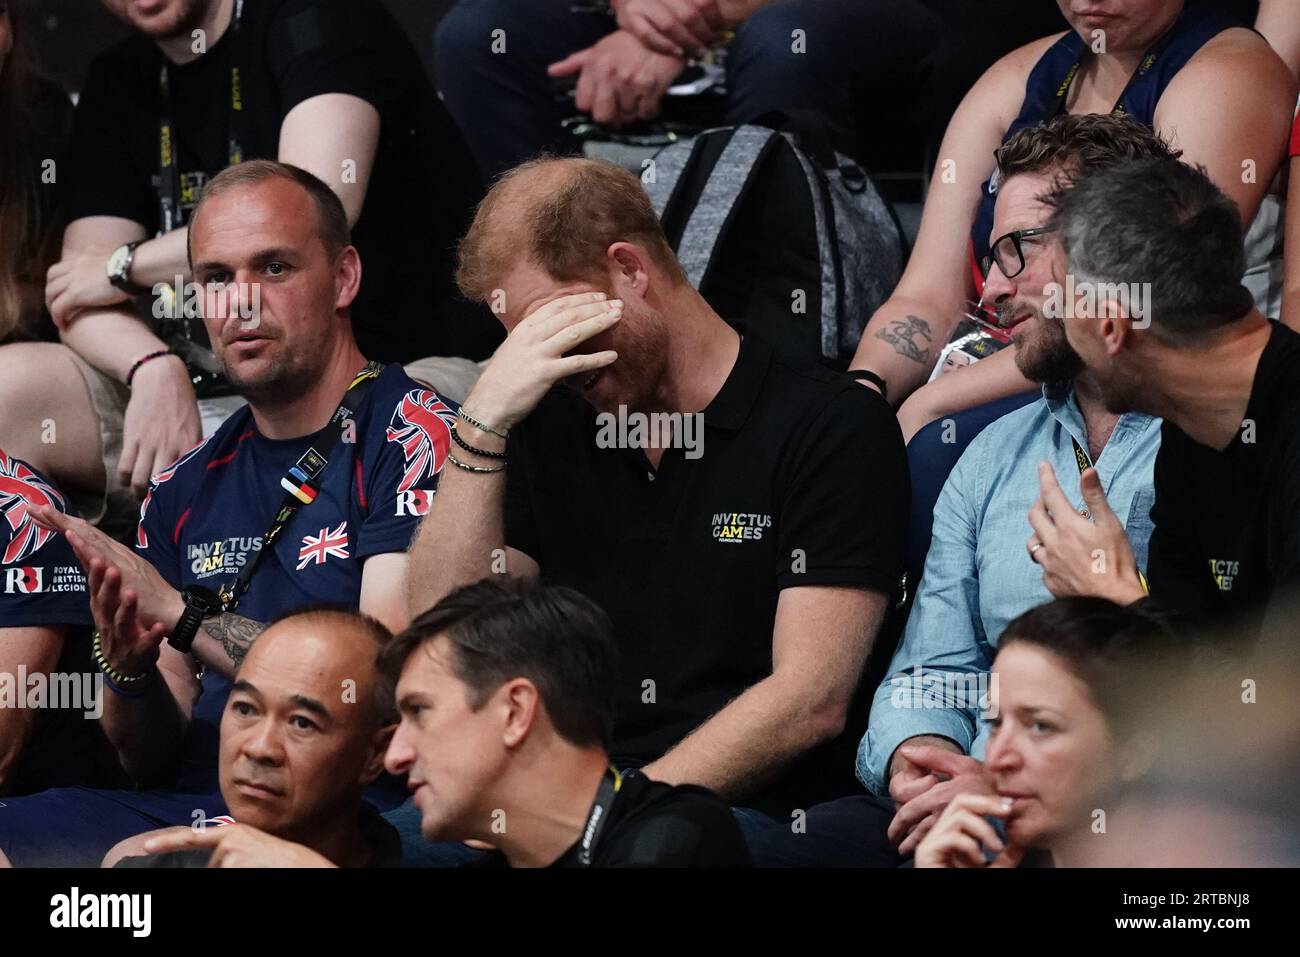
(1226, 541)
(802, 480)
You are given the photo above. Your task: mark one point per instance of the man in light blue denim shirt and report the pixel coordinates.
(978, 575)
(978, 572)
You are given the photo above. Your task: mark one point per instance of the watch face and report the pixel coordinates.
(117, 261)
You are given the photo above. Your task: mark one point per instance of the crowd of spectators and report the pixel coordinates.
(378, 491)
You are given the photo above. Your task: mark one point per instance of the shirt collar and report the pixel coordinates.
(1063, 407)
(734, 401)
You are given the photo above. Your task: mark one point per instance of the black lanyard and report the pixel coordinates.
(170, 197)
(1148, 61)
(609, 787)
(1084, 462)
(300, 483)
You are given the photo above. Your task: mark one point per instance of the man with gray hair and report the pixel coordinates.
(1224, 378)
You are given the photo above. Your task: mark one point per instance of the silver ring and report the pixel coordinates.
(1035, 548)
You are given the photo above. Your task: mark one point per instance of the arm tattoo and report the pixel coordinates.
(902, 335)
(235, 632)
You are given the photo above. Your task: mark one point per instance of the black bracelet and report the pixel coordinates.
(873, 378)
(135, 366)
(486, 453)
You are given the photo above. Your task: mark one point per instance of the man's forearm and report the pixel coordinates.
(162, 260)
(901, 343)
(224, 640)
(748, 742)
(111, 340)
(145, 732)
(463, 536)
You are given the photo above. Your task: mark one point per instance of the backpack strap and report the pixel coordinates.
(720, 198)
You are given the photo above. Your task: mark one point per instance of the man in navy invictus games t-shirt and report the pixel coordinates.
(206, 516)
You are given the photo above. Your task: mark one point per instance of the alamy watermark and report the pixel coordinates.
(935, 689)
(192, 300)
(1083, 300)
(74, 691)
(660, 430)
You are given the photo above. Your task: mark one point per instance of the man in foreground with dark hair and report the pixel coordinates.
(299, 743)
(506, 691)
(1225, 379)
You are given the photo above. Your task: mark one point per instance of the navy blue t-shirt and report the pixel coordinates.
(204, 518)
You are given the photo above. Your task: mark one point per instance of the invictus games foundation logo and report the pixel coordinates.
(1224, 572)
(740, 526)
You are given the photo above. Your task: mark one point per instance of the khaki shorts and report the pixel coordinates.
(116, 510)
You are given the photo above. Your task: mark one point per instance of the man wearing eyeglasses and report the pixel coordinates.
(919, 750)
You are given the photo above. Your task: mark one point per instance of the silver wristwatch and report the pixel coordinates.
(119, 268)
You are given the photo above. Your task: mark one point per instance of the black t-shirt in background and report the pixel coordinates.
(421, 189)
(652, 824)
(801, 481)
(1227, 523)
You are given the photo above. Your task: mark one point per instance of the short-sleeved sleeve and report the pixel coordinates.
(106, 177)
(326, 46)
(41, 582)
(844, 507)
(401, 483)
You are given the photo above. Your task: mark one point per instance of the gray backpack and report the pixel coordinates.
(781, 235)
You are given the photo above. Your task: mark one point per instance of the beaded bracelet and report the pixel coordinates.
(135, 366)
(115, 677)
(486, 453)
(480, 469)
(109, 671)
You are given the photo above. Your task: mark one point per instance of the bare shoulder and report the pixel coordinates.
(1239, 57)
(1003, 84)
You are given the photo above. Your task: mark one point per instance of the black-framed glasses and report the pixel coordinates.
(1008, 253)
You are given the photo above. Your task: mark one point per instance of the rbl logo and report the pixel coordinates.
(24, 580)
